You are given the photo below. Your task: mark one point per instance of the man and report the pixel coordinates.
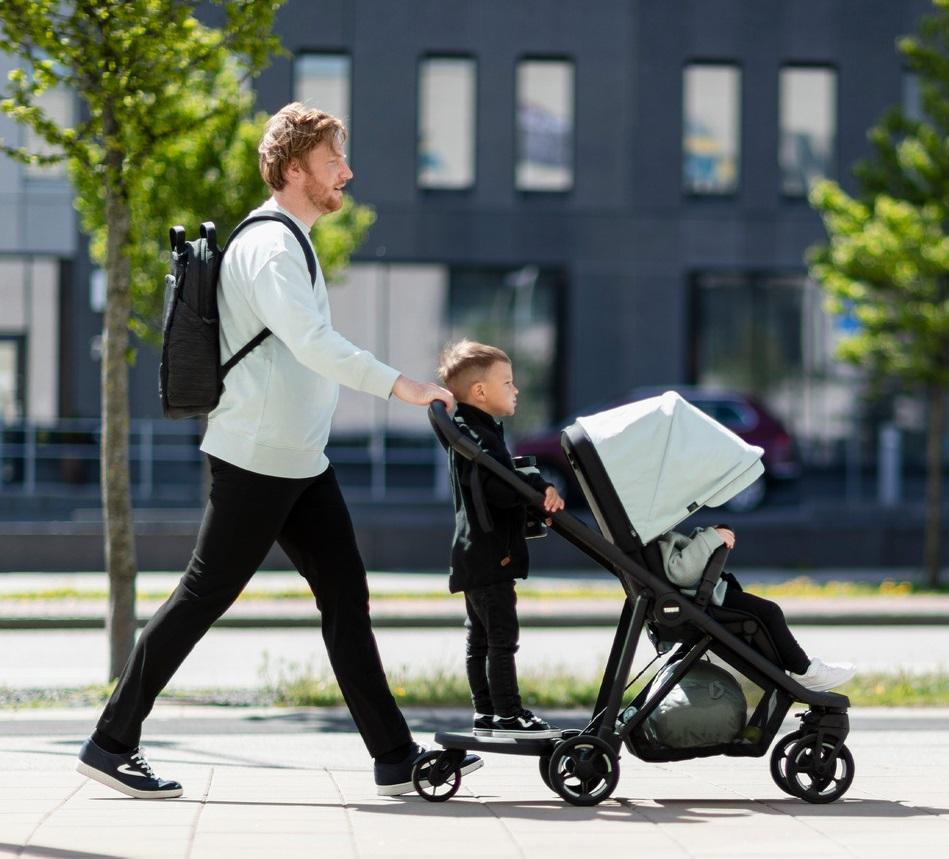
(270, 478)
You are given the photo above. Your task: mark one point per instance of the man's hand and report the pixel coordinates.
(421, 393)
(728, 536)
(552, 501)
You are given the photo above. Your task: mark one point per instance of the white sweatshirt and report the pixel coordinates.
(275, 411)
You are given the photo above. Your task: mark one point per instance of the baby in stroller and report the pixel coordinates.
(684, 560)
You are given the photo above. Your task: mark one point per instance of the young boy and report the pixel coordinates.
(684, 559)
(490, 550)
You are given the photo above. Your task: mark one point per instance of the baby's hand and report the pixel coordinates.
(552, 500)
(728, 536)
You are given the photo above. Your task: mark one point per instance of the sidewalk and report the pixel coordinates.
(433, 606)
(298, 783)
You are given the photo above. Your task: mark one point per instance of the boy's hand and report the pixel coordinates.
(552, 501)
(728, 536)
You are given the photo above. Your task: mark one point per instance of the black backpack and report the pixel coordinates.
(191, 376)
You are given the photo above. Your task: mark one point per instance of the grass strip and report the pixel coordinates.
(293, 686)
(800, 587)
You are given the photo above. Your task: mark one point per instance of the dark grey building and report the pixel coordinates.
(613, 190)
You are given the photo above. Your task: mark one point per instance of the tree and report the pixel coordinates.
(134, 65)
(887, 260)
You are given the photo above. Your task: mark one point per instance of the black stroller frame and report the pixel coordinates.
(811, 763)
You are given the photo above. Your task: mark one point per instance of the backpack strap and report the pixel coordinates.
(310, 264)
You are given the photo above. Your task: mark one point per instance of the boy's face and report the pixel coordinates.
(496, 393)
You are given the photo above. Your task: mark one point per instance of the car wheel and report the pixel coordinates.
(750, 498)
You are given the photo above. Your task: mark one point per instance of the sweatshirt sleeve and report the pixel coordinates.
(281, 296)
(684, 558)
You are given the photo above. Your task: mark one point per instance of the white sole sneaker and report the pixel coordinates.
(407, 786)
(115, 784)
(514, 734)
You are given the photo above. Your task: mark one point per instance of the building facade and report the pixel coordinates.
(613, 191)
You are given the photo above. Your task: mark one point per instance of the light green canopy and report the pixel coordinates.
(666, 459)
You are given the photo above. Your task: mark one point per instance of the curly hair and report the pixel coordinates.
(465, 362)
(289, 135)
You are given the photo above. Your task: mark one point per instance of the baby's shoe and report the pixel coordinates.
(824, 676)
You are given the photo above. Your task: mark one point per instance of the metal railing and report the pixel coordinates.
(62, 457)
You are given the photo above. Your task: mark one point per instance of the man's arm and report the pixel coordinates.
(282, 298)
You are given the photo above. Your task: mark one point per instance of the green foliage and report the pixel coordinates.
(888, 256)
(166, 92)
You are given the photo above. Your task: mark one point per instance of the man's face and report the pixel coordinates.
(324, 174)
(496, 393)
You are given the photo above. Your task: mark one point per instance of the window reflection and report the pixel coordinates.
(544, 125)
(711, 123)
(446, 128)
(808, 127)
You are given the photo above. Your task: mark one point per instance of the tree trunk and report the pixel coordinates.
(934, 485)
(116, 490)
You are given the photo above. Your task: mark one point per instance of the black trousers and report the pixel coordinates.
(493, 633)
(246, 513)
(792, 656)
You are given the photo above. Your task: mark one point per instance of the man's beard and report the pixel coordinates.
(323, 199)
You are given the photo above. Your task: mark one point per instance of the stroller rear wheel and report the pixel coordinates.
(584, 770)
(779, 762)
(818, 774)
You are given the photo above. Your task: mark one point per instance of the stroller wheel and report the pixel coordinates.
(436, 776)
(543, 764)
(584, 770)
(779, 762)
(817, 774)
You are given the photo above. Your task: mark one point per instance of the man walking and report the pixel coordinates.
(270, 478)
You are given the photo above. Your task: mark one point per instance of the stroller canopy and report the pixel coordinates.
(666, 459)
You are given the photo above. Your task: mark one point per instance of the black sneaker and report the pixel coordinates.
(483, 725)
(524, 724)
(396, 779)
(127, 773)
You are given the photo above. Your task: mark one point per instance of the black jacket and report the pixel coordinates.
(481, 556)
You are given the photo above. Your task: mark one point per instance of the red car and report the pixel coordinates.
(743, 415)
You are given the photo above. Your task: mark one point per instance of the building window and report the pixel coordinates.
(808, 127)
(57, 104)
(12, 375)
(517, 310)
(446, 123)
(768, 335)
(322, 81)
(544, 125)
(711, 140)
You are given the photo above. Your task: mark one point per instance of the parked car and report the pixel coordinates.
(742, 414)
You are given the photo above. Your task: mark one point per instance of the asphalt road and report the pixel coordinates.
(234, 658)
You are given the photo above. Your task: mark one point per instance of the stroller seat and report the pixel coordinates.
(614, 524)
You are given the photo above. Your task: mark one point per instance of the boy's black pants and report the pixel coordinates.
(492, 642)
(246, 513)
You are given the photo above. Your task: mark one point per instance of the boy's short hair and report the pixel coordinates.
(465, 362)
(289, 135)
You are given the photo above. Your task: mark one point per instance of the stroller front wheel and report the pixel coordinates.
(584, 770)
(817, 774)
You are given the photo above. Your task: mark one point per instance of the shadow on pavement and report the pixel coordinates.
(52, 852)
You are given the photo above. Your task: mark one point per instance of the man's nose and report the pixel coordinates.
(347, 172)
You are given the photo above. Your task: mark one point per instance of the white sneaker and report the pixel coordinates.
(824, 676)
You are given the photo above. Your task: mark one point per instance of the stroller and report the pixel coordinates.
(644, 467)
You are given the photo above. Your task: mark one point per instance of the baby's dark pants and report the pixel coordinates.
(492, 642)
